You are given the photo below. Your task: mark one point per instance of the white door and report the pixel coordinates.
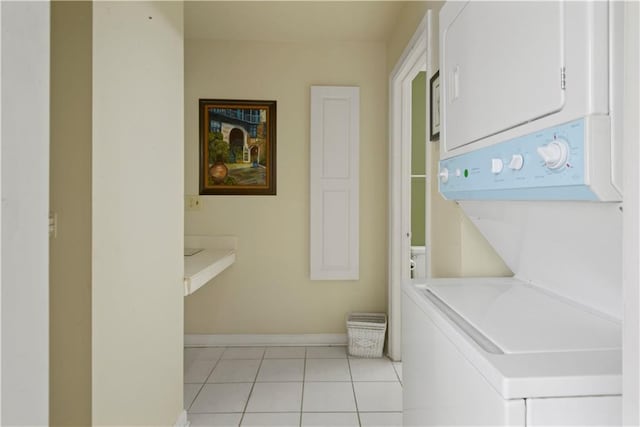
(334, 179)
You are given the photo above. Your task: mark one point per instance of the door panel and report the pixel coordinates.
(485, 62)
(334, 179)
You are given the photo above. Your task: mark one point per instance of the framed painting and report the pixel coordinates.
(434, 106)
(237, 147)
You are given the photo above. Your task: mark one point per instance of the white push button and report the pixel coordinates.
(516, 163)
(458, 172)
(496, 166)
(444, 175)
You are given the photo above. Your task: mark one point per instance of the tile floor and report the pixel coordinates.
(290, 386)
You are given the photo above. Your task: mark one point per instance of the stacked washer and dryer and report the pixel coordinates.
(531, 149)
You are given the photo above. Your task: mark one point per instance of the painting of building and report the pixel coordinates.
(239, 144)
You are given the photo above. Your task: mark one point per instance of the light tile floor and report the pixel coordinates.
(290, 386)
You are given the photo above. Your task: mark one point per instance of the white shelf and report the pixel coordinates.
(218, 253)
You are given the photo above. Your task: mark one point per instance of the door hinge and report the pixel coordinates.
(53, 225)
(563, 78)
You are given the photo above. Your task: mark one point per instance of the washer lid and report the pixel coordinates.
(520, 318)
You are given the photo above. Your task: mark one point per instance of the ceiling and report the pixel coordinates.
(308, 21)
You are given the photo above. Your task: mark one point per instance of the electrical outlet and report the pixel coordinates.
(192, 203)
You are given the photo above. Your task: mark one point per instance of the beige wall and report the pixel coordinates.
(70, 199)
(137, 219)
(408, 21)
(268, 289)
(479, 259)
(269, 281)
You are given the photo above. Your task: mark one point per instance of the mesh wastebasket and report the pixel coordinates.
(365, 332)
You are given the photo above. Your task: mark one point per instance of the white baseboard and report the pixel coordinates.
(244, 340)
(183, 421)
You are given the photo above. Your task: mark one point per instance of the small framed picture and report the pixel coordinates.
(237, 147)
(434, 107)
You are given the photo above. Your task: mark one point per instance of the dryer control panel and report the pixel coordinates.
(552, 164)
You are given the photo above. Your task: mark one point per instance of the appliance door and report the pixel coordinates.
(441, 386)
(509, 55)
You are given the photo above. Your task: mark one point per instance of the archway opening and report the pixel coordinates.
(236, 145)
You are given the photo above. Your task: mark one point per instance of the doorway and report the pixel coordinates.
(413, 61)
(236, 145)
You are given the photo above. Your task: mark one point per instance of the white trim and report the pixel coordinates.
(25, 136)
(242, 340)
(631, 222)
(182, 421)
(1, 258)
(413, 60)
(430, 174)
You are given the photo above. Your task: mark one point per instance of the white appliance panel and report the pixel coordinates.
(582, 411)
(586, 56)
(514, 67)
(527, 119)
(457, 394)
(524, 319)
(572, 249)
(451, 380)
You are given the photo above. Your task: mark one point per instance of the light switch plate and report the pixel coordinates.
(192, 202)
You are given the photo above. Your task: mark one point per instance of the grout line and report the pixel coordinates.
(244, 410)
(304, 380)
(212, 369)
(396, 371)
(203, 384)
(353, 388)
(223, 352)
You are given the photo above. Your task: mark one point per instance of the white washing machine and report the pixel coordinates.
(498, 351)
(531, 150)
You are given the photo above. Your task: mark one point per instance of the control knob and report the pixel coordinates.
(555, 154)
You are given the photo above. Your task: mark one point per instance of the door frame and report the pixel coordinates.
(413, 60)
(24, 243)
(631, 222)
